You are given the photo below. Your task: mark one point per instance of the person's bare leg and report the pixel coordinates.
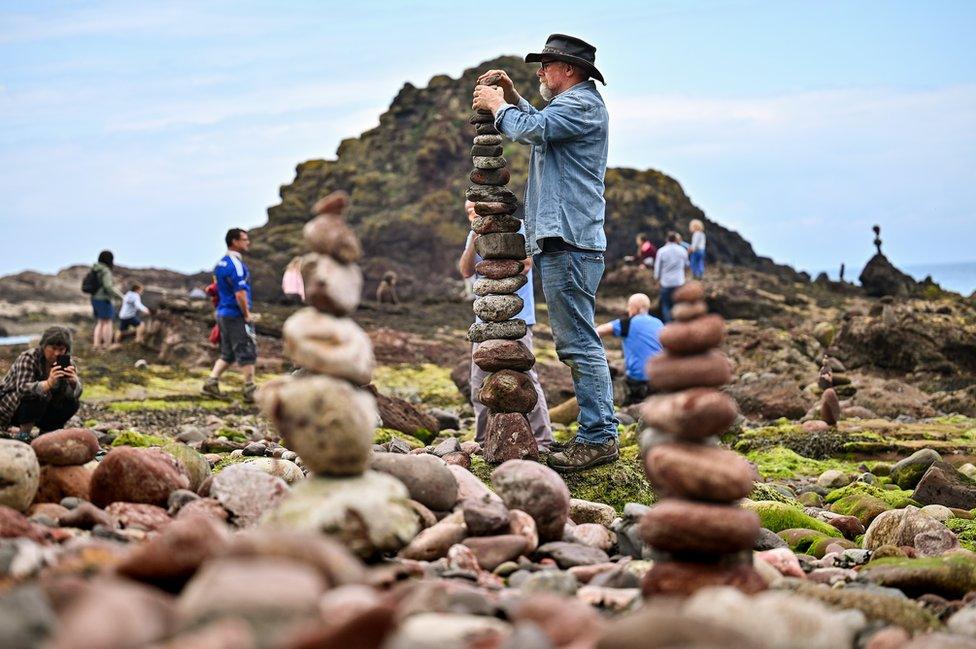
(219, 368)
(140, 333)
(96, 334)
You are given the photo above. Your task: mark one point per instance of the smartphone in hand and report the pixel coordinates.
(64, 360)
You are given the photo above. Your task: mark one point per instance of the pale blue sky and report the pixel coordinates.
(150, 128)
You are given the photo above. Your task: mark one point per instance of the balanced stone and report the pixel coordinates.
(685, 311)
(671, 373)
(488, 208)
(499, 268)
(369, 514)
(696, 336)
(692, 291)
(486, 162)
(508, 391)
(504, 245)
(480, 332)
(488, 140)
(334, 346)
(496, 223)
(330, 286)
(19, 474)
(497, 308)
(482, 194)
(508, 436)
(830, 407)
(693, 414)
(491, 176)
(494, 355)
(328, 234)
(491, 151)
(679, 578)
(682, 526)
(499, 286)
(481, 118)
(327, 421)
(486, 129)
(699, 472)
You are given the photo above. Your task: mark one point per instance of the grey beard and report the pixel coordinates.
(545, 91)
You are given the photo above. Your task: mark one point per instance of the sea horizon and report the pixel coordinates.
(957, 276)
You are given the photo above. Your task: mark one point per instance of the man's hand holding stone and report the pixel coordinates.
(488, 98)
(501, 79)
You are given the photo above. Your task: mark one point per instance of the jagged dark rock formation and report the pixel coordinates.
(407, 178)
(880, 278)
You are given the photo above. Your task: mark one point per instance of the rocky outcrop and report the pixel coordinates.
(880, 278)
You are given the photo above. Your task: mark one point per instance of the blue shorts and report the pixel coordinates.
(133, 322)
(103, 309)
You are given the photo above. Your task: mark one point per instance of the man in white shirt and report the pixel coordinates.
(669, 270)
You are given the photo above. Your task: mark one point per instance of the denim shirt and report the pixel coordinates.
(564, 193)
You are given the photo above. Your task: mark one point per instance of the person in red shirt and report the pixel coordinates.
(646, 251)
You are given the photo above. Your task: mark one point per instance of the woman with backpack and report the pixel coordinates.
(100, 285)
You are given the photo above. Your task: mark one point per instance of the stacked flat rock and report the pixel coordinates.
(699, 536)
(326, 416)
(507, 392)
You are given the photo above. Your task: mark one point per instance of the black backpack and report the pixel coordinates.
(91, 283)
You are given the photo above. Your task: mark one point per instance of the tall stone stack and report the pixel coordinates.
(325, 415)
(507, 392)
(699, 536)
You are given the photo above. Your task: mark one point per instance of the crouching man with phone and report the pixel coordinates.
(42, 387)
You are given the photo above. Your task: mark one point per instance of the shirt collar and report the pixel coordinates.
(234, 253)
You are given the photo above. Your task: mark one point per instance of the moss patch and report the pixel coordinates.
(779, 463)
(232, 434)
(894, 498)
(812, 542)
(424, 383)
(228, 460)
(166, 404)
(777, 516)
(765, 491)
(384, 435)
(965, 530)
(135, 438)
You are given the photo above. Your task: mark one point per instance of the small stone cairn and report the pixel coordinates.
(698, 535)
(325, 415)
(507, 392)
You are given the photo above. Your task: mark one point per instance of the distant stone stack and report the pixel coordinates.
(325, 415)
(507, 392)
(699, 536)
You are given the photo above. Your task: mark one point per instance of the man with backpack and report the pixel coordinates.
(640, 337)
(238, 340)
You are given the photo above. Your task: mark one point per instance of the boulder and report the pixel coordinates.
(67, 447)
(908, 471)
(19, 474)
(538, 491)
(942, 484)
(247, 493)
(137, 475)
(426, 477)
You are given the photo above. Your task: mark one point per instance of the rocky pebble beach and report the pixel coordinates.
(321, 522)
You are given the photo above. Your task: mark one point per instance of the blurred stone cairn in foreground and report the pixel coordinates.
(699, 536)
(325, 415)
(507, 392)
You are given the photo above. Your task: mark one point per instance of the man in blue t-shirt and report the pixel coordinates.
(238, 341)
(640, 335)
(539, 417)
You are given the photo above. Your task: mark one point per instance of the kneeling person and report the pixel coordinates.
(42, 387)
(640, 337)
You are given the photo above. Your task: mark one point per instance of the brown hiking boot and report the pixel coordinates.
(577, 456)
(211, 387)
(248, 392)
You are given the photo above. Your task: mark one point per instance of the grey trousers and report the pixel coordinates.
(538, 418)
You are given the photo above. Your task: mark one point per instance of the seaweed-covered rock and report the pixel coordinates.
(951, 576)
(812, 542)
(777, 516)
(942, 484)
(908, 471)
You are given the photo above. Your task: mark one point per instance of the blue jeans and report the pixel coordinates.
(697, 262)
(569, 281)
(667, 301)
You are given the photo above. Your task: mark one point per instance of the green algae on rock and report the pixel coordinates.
(965, 531)
(424, 383)
(894, 498)
(197, 467)
(778, 516)
(384, 435)
(812, 542)
(951, 575)
(898, 611)
(779, 463)
(766, 491)
(135, 438)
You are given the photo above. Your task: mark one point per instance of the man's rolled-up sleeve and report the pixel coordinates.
(561, 120)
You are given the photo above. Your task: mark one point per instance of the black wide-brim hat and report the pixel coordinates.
(569, 49)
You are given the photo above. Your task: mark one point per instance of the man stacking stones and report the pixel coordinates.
(699, 536)
(503, 381)
(325, 416)
(564, 213)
